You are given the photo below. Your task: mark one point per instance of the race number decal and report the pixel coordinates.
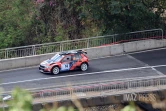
(65, 67)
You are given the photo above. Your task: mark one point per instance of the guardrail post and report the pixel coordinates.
(128, 84)
(158, 83)
(113, 38)
(88, 43)
(33, 50)
(41, 94)
(61, 47)
(101, 89)
(162, 33)
(6, 54)
(71, 92)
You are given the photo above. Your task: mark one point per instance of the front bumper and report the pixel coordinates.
(44, 70)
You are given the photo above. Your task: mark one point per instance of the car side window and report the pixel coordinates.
(67, 58)
(77, 56)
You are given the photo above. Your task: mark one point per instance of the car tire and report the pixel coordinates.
(55, 70)
(84, 66)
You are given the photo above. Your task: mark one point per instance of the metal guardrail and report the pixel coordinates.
(79, 43)
(98, 89)
(102, 88)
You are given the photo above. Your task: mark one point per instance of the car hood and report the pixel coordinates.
(48, 61)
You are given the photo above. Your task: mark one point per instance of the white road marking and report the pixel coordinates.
(138, 61)
(143, 63)
(160, 73)
(19, 69)
(84, 74)
(147, 50)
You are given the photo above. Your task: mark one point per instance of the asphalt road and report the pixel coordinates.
(117, 67)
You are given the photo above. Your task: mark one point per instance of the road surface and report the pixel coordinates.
(139, 64)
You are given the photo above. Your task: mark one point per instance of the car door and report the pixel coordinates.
(76, 61)
(66, 63)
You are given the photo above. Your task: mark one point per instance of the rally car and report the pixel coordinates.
(65, 61)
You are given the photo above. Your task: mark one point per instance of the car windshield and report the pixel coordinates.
(57, 57)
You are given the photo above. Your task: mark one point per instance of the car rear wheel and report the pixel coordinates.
(55, 70)
(84, 66)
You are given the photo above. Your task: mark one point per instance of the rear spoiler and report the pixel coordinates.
(83, 51)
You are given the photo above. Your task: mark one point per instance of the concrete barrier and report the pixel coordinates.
(23, 61)
(116, 49)
(130, 47)
(150, 44)
(143, 45)
(95, 52)
(98, 52)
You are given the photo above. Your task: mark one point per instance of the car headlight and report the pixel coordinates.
(47, 66)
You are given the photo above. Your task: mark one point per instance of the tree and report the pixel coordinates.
(123, 16)
(26, 22)
(15, 22)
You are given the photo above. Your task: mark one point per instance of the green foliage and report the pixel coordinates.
(60, 109)
(123, 16)
(61, 34)
(1, 90)
(21, 100)
(25, 22)
(15, 21)
(130, 107)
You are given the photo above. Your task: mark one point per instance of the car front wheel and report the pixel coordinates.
(55, 70)
(84, 66)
